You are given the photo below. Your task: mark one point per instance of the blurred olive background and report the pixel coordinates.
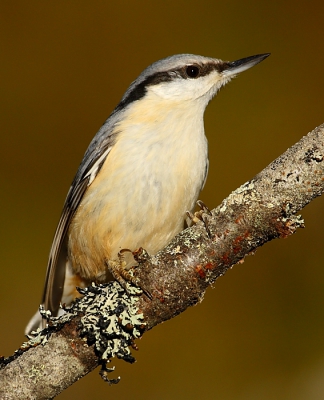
(64, 66)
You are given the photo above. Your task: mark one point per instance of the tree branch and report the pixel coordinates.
(177, 277)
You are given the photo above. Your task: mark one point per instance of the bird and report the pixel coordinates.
(141, 174)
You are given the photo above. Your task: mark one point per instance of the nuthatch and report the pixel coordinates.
(142, 172)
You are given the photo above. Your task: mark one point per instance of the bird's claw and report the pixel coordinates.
(203, 207)
(201, 216)
(123, 275)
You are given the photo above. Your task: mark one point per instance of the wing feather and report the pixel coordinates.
(92, 162)
(55, 275)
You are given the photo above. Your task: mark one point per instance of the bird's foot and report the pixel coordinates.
(201, 216)
(124, 276)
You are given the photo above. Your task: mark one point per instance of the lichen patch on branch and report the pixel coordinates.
(109, 320)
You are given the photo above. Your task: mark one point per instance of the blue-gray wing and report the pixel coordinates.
(91, 164)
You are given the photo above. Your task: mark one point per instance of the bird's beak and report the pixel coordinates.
(235, 67)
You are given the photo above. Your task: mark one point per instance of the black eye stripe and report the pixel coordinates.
(192, 71)
(138, 89)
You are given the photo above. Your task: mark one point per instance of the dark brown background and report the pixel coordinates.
(64, 66)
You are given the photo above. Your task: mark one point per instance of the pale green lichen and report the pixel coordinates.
(175, 251)
(110, 321)
(243, 188)
(36, 372)
(223, 207)
(238, 195)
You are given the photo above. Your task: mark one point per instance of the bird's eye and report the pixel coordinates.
(192, 71)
